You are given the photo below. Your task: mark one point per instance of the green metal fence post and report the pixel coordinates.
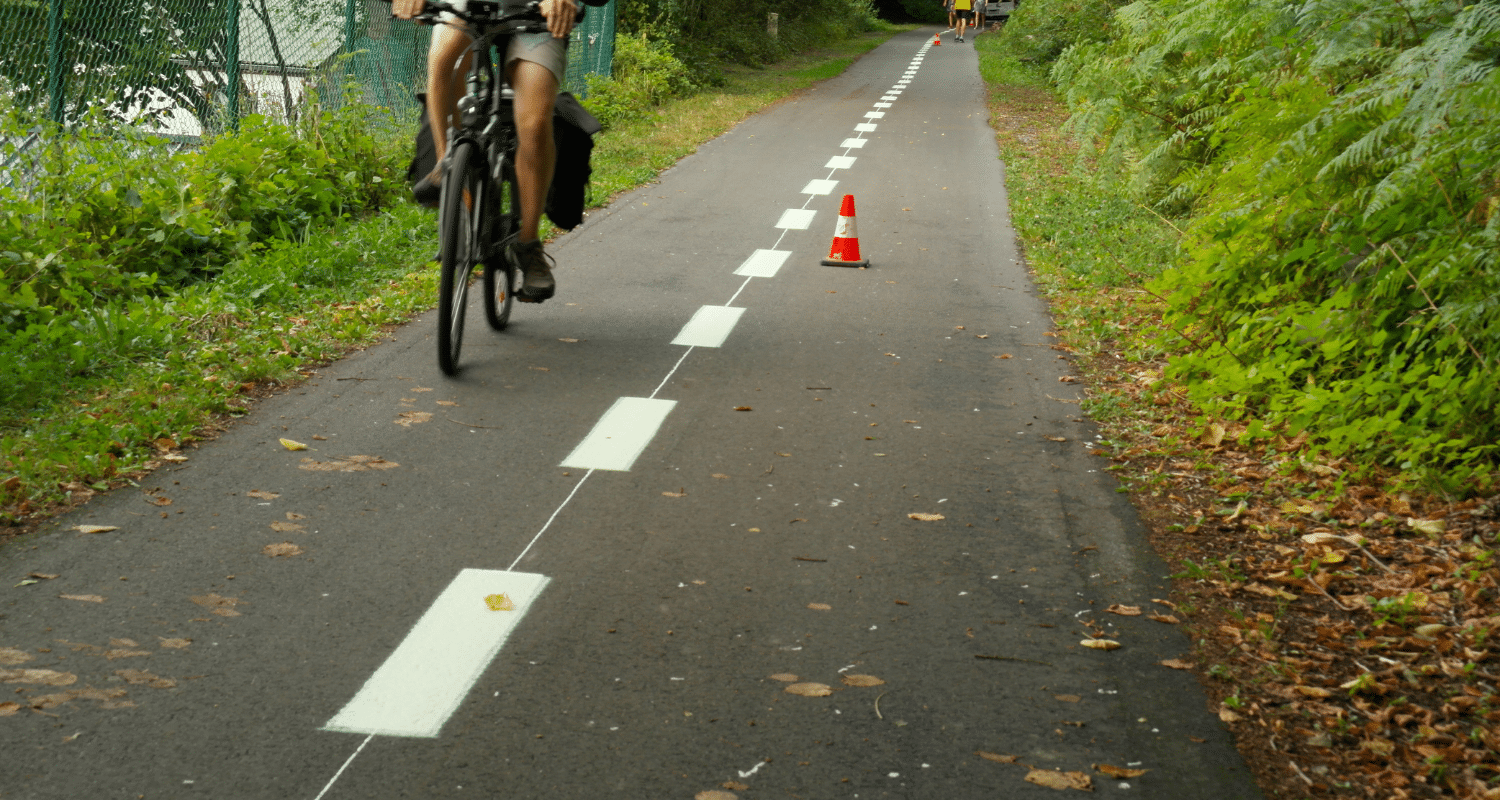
(349, 27)
(54, 61)
(232, 61)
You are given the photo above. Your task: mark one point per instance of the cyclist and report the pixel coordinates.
(534, 64)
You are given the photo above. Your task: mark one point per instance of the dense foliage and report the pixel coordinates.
(704, 33)
(1337, 165)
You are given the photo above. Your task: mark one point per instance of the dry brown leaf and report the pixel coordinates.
(447, 403)
(142, 677)
(1067, 698)
(1228, 716)
(809, 689)
(1055, 438)
(121, 652)
(784, 677)
(1068, 379)
(282, 549)
(42, 576)
(87, 598)
(1060, 780)
(714, 794)
(44, 677)
(350, 464)
(862, 680)
(1005, 355)
(406, 419)
(124, 643)
(286, 527)
(1213, 435)
(158, 500)
(996, 757)
(291, 445)
(8, 708)
(819, 606)
(735, 785)
(319, 438)
(216, 601)
(176, 644)
(225, 612)
(674, 494)
(1312, 691)
(569, 341)
(294, 515)
(743, 408)
(421, 388)
(923, 517)
(1100, 644)
(1167, 618)
(1124, 611)
(260, 494)
(721, 476)
(1177, 663)
(173, 457)
(1120, 773)
(10, 656)
(95, 528)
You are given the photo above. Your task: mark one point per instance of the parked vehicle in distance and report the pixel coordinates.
(996, 10)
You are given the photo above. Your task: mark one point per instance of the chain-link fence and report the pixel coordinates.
(186, 67)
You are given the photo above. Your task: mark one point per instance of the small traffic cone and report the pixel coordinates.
(845, 249)
(937, 40)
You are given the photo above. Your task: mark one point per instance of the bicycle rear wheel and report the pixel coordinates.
(462, 204)
(501, 278)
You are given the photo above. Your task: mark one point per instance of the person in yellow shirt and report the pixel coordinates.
(964, 10)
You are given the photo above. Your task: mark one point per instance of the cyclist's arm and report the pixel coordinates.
(406, 9)
(560, 16)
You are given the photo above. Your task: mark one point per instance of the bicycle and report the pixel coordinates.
(479, 208)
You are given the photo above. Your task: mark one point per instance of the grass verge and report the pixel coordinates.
(1343, 630)
(170, 370)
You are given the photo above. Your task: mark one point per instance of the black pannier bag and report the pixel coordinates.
(573, 129)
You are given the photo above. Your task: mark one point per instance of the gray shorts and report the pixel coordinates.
(539, 48)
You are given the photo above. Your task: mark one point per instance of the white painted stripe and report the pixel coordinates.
(882, 105)
(854, 143)
(890, 98)
(865, 127)
(763, 263)
(421, 684)
(839, 162)
(796, 219)
(709, 327)
(874, 114)
(819, 187)
(620, 435)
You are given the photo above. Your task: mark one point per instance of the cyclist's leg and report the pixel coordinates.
(447, 63)
(534, 65)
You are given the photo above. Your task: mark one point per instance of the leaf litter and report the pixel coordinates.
(348, 464)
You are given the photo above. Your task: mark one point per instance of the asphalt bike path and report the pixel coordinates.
(708, 472)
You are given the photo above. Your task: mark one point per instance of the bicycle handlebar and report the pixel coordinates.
(486, 13)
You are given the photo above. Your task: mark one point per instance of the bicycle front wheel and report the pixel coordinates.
(460, 208)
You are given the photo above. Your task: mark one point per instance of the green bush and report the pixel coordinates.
(1040, 30)
(646, 74)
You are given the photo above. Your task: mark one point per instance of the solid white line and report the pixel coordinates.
(548, 523)
(764, 263)
(737, 291)
(425, 679)
(819, 187)
(709, 327)
(347, 762)
(673, 371)
(839, 162)
(797, 219)
(621, 434)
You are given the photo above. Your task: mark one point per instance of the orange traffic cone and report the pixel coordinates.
(937, 40)
(845, 249)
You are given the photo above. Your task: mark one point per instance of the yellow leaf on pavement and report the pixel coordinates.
(291, 445)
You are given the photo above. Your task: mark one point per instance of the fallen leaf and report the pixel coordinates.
(1005, 355)
(1124, 611)
(799, 519)
(140, 676)
(674, 494)
(260, 494)
(1228, 716)
(569, 341)
(158, 500)
(173, 457)
(862, 680)
(350, 464)
(1176, 663)
(996, 757)
(713, 794)
(125, 653)
(1312, 691)
(406, 419)
(216, 601)
(784, 677)
(283, 549)
(124, 643)
(1120, 773)
(421, 388)
(1055, 438)
(446, 403)
(819, 606)
(957, 327)
(87, 598)
(743, 408)
(8, 708)
(42, 576)
(1431, 527)
(909, 421)
(1067, 698)
(1060, 780)
(291, 445)
(294, 515)
(226, 612)
(1066, 379)
(1100, 644)
(981, 336)
(809, 689)
(721, 476)
(542, 369)
(10, 656)
(95, 528)
(925, 517)
(176, 644)
(319, 438)
(735, 785)
(1167, 618)
(1213, 435)
(286, 527)
(783, 455)
(44, 677)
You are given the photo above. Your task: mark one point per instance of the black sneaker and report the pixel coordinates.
(537, 284)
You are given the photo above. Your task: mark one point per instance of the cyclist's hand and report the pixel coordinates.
(406, 9)
(560, 16)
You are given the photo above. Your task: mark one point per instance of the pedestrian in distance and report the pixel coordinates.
(948, 6)
(979, 6)
(963, 9)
